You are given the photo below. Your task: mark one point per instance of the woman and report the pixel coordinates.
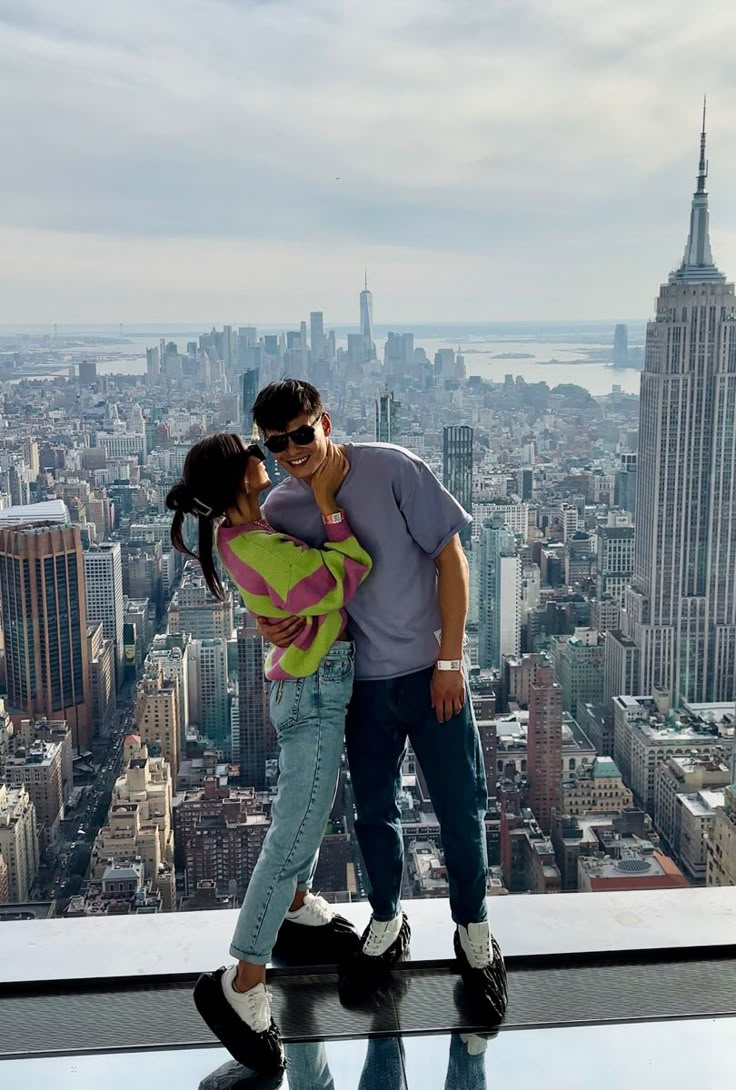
(312, 680)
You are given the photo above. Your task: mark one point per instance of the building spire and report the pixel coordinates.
(703, 165)
(697, 262)
(366, 277)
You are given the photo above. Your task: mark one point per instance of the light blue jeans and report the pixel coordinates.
(308, 715)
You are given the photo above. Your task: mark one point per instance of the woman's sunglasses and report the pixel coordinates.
(302, 436)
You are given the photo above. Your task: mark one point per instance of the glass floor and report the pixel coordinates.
(661, 1055)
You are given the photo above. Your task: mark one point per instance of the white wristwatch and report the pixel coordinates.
(449, 664)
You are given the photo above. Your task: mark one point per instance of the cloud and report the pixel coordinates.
(442, 139)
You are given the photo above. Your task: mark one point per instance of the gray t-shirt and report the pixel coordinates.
(403, 517)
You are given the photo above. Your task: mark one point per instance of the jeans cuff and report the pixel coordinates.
(244, 955)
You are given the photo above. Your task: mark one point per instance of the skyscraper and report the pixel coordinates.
(153, 366)
(44, 625)
(366, 321)
(457, 468)
(209, 697)
(317, 335)
(624, 495)
(621, 346)
(614, 561)
(88, 371)
(194, 610)
(257, 741)
(499, 632)
(157, 714)
(386, 417)
(103, 580)
(681, 607)
(19, 840)
(577, 662)
(38, 767)
(251, 384)
(544, 746)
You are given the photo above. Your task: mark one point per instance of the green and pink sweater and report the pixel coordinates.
(279, 576)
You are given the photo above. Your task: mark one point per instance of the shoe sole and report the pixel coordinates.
(258, 1052)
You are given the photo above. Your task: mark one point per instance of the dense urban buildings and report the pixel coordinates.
(138, 762)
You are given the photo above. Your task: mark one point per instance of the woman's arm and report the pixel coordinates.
(296, 579)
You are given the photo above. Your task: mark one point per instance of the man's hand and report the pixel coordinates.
(281, 633)
(448, 693)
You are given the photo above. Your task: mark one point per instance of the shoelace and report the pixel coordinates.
(258, 1003)
(480, 952)
(376, 937)
(318, 907)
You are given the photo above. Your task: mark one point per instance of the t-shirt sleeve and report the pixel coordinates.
(432, 515)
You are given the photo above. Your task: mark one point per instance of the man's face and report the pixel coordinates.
(301, 461)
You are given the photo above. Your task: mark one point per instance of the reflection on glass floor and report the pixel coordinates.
(658, 1055)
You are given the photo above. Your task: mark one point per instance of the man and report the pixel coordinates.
(408, 623)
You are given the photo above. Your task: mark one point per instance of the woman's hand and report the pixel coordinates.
(280, 633)
(328, 477)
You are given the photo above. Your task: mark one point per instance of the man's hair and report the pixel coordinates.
(281, 402)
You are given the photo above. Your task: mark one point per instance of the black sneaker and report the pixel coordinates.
(369, 970)
(318, 937)
(486, 987)
(259, 1051)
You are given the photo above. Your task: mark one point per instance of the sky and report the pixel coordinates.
(245, 160)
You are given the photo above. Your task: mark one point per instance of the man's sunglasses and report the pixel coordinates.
(302, 436)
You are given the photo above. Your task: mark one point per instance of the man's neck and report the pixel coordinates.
(247, 510)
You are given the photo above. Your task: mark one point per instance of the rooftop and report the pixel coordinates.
(703, 803)
(49, 511)
(38, 753)
(605, 767)
(644, 863)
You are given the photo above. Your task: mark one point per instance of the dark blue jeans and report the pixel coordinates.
(381, 717)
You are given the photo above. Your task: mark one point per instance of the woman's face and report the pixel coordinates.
(256, 476)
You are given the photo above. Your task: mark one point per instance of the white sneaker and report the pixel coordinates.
(381, 935)
(315, 912)
(252, 1007)
(475, 940)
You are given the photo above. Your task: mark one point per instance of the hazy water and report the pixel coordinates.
(554, 353)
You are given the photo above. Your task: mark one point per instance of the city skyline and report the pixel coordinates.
(379, 139)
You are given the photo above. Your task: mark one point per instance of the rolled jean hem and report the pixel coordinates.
(252, 959)
(483, 918)
(380, 918)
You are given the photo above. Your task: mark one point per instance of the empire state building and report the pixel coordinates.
(681, 607)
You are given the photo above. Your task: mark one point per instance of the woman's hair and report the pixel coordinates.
(212, 482)
(281, 402)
